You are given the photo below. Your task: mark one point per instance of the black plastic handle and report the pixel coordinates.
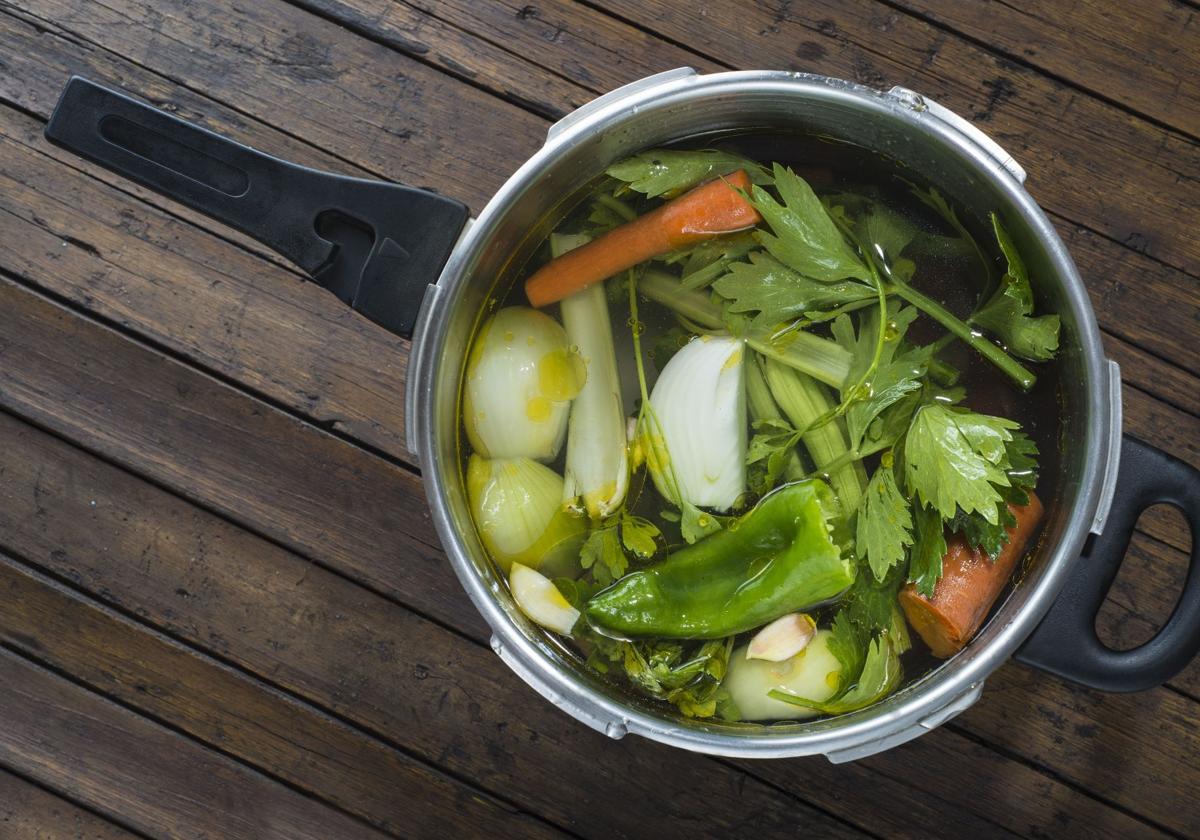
(375, 245)
(1065, 643)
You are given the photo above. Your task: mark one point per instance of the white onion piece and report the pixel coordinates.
(699, 410)
(521, 378)
(517, 507)
(813, 674)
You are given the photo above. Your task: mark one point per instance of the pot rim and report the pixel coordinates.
(918, 707)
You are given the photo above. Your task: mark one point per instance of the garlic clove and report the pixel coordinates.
(783, 638)
(540, 600)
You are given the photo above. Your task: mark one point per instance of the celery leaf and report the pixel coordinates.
(803, 235)
(1008, 313)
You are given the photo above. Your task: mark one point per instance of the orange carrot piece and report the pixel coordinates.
(709, 210)
(969, 586)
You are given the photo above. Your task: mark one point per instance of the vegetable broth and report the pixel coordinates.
(955, 280)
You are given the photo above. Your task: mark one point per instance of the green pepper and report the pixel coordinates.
(778, 558)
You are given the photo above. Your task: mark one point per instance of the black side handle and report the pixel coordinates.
(1066, 644)
(375, 245)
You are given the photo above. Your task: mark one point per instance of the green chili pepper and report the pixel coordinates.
(778, 558)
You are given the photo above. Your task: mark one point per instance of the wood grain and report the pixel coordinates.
(156, 780)
(216, 704)
(201, 551)
(302, 665)
(311, 633)
(1146, 55)
(28, 812)
(1080, 152)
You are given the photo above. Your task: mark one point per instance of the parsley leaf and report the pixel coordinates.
(602, 554)
(895, 378)
(1007, 314)
(884, 523)
(804, 237)
(639, 535)
(979, 533)
(956, 458)
(925, 560)
(773, 443)
(668, 172)
(778, 294)
(687, 675)
(991, 537)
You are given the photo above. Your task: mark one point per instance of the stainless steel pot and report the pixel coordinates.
(1085, 535)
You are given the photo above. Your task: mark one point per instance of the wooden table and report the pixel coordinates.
(223, 610)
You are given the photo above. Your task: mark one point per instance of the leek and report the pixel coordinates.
(597, 469)
(763, 407)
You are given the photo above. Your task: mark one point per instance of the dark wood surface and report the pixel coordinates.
(223, 610)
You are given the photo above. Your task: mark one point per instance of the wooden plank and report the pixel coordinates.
(315, 80)
(68, 738)
(135, 265)
(87, 545)
(243, 718)
(1078, 150)
(27, 812)
(1146, 55)
(1112, 744)
(403, 678)
(1120, 280)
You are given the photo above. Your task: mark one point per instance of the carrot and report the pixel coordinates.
(969, 586)
(709, 210)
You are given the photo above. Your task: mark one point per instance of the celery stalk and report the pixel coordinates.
(597, 469)
(805, 402)
(821, 358)
(762, 407)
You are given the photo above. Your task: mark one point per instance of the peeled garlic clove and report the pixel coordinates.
(783, 638)
(540, 600)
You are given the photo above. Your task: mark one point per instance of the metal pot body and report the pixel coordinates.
(673, 106)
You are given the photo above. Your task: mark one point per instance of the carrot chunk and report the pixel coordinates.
(970, 584)
(709, 210)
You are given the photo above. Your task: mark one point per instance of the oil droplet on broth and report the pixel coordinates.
(561, 375)
(538, 409)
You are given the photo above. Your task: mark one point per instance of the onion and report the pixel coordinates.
(699, 415)
(517, 507)
(521, 378)
(813, 673)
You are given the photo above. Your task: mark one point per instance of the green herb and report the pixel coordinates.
(803, 236)
(773, 444)
(1008, 314)
(687, 675)
(668, 172)
(703, 263)
(884, 523)
(778, 294)
(955, 458)
(925, 562)
(603, 555)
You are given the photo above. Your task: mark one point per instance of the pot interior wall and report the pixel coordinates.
(539, 199)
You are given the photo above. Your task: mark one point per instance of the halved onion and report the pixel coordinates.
(521, 378)
(699, 418)
(517, 507)
(813, 673)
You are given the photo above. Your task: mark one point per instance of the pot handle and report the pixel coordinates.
(1066, 643)
(375, 245)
